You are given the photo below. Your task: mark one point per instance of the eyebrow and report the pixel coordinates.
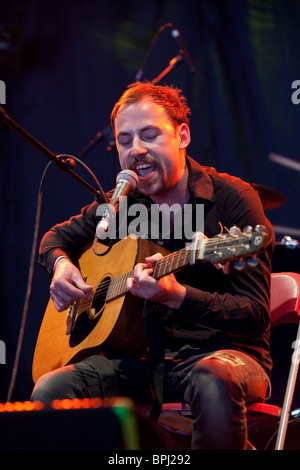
(146, 128)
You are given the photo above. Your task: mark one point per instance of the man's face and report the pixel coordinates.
(149, 144)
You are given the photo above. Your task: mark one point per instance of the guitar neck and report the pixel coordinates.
(223, 248)
(171, 263)
(167, 265)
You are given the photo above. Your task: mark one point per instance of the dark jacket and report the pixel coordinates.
(220, 310)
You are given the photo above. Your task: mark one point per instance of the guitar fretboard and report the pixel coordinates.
(167, 265)
(216, 249)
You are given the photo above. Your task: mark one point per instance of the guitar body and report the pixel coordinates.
(112, 322)
(117, 326)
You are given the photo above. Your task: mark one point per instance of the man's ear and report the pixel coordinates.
(184, 136)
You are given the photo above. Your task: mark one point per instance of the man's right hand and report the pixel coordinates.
(67, 285)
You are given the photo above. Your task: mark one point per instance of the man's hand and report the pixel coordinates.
(166, 290)
(67, 285)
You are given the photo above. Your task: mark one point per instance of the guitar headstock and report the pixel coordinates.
(232, 245)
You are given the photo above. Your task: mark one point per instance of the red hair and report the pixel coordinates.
(169, 97)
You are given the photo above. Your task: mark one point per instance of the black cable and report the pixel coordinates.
(149, 52)
(68, 159)
(274, 434)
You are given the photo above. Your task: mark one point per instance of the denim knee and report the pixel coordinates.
(56, 385)
(213, 384)
(216, 401)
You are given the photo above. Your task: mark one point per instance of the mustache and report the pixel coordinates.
(149, 160)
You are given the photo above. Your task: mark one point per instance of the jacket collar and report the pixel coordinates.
(199, 182)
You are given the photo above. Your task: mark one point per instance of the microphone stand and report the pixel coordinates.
(65, 166)
(175, 62)
(98, 137)
(172, 65)
(61, 164)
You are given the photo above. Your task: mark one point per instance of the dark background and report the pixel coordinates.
(65, 63)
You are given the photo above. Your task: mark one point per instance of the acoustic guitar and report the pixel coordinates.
(112, 321)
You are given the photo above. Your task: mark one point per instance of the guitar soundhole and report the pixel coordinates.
(86, 320)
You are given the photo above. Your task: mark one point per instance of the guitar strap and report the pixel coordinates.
(155, 315)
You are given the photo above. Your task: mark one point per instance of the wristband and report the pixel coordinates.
(55, 262)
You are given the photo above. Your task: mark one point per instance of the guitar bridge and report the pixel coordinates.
(70, 315)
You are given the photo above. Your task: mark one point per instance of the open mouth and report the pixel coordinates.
(144, 169)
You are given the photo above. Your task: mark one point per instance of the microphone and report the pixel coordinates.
(126, 182)
(176, 34)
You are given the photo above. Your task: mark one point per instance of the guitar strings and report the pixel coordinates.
(99, 291)
(164, 261)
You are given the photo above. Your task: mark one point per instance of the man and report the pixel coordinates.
(216, 324)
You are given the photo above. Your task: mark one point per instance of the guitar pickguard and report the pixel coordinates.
(84, 315)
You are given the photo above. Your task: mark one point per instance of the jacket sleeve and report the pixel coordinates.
(67, 238)
(242, 307)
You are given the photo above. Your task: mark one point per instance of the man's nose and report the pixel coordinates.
(138, 148)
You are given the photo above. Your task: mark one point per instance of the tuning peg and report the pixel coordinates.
(253, 261)
(248, 229)
(226, 268)
(239, 265)
(234, 230)
(261, 228)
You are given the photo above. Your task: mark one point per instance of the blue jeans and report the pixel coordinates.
(217, 384)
